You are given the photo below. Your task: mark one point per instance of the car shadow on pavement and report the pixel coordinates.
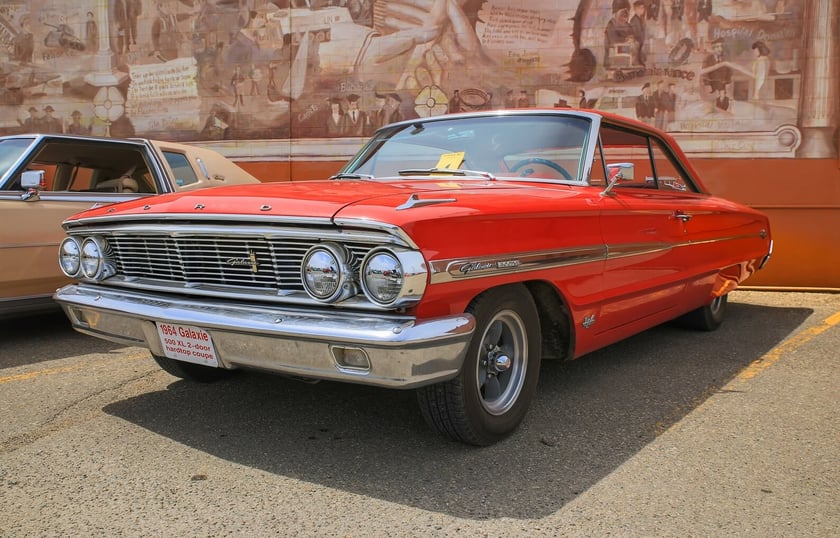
(19, 344)
(588, 418)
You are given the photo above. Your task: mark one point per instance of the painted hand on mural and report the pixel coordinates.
(425, 36)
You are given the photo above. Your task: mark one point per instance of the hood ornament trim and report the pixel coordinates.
(415, 201)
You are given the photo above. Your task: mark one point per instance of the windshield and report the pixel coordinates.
(532, 146)
(10, 151)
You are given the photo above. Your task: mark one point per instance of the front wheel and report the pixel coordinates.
(491, 394)
(191, 371)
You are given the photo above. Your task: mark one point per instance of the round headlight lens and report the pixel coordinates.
(321, 273)
(382, 277)
(91, 261)
(69, 257)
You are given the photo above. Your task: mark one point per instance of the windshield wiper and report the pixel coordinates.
(445, 171)
(352, 176)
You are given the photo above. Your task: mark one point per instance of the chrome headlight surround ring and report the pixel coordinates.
(70, 257)
(325, 260)
(96, 260)
(407, 277)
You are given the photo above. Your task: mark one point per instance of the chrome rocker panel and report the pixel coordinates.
(403, 352)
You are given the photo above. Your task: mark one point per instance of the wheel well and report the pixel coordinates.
(555, 321)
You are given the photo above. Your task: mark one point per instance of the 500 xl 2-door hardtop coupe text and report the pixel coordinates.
(451, 255)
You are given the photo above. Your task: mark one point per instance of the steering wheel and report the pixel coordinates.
(545, 162)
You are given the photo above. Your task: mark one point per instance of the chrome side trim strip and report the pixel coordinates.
(443, 271)
(464, 268)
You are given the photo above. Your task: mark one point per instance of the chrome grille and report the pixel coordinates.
(241, 263)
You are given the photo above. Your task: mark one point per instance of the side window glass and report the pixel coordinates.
(623, 147)
(180, 165)
(668, 176)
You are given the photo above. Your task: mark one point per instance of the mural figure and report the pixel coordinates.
(165, 34)
(645, 105)
(23, 44)
(32, 124)
(237, 83)
(49, 123)
(616, 36)
(722, 100)
(91, 33)
(335, 119)
(760, 67)
(721, 74)
(76, 127)
(133, 10)
(118, 9)
(637, 29)
(355, 120)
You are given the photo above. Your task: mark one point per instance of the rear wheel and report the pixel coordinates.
(705, 318)
(493, 390)
(191, 371)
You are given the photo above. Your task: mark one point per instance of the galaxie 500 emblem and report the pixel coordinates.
(468, 268)
(250, 261)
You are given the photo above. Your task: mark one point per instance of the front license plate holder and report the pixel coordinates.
(187, 343)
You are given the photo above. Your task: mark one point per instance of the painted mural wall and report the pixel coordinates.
(729, 78)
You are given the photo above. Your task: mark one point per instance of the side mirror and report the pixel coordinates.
(618, 172)
(30, 182)
(32, 179)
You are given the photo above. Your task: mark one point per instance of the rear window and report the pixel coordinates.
(181, 169)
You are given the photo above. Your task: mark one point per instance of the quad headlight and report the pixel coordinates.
(393, 278)
(382, 277)
(92, 258)
(87, 258)
(388, 277)
(69, 257)
(327, 274)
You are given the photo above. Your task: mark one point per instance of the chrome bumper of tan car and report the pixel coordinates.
(381, 350)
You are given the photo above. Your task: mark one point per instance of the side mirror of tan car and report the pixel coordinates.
(31, 182)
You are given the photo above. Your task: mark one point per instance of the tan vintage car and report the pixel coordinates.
(46, 178)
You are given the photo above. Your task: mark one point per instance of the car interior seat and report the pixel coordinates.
(123, 183)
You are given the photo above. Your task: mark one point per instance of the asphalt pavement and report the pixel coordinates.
(669, 433)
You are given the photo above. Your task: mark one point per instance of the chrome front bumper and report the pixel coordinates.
(402, 351)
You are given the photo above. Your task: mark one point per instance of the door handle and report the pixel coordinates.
(685, 217)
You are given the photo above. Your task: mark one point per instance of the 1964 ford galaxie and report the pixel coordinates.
(451, 255)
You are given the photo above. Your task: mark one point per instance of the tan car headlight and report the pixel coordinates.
(69, 257)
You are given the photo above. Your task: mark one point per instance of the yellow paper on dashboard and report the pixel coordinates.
(451, 161)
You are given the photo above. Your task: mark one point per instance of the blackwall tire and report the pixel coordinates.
(192, 372)
(705, 318)
(491, 394)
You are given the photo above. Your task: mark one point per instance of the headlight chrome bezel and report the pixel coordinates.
(76, 258)
(410, 283)
(94, 258)
(340, 261)
(92, 250)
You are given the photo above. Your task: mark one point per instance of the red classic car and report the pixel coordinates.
(451, 255)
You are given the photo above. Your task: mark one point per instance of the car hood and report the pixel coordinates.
(394, 202)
